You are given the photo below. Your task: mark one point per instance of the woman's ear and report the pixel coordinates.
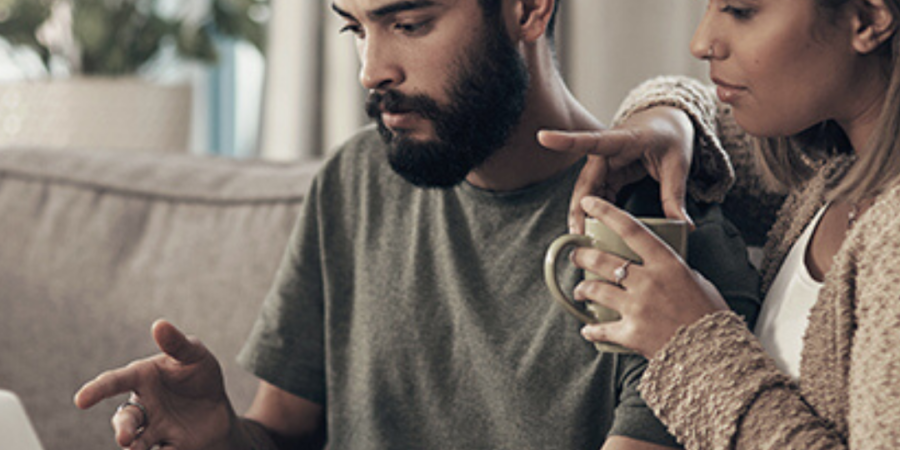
(873, 24)
(533, 17)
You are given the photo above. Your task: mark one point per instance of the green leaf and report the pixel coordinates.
(119, 36)
(19, 21)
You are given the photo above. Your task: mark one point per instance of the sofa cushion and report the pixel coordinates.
(97, 245)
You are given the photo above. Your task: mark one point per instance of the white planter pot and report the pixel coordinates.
(96, 113)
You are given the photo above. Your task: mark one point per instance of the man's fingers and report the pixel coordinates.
(175, 344)
(109, 384)
(127, 423)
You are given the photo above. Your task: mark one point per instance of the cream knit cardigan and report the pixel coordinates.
(713, 384)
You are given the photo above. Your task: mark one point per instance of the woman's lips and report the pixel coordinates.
(728, 93)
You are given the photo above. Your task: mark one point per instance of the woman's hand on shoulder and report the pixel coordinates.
(657, 141)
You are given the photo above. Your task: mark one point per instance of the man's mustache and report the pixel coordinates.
(394, 102)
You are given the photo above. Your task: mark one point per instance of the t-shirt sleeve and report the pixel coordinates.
(718, 252)
(633, 418)
(286, 345)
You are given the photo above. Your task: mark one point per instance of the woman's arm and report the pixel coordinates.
(709, 379)
(874, 397)
(715, 387)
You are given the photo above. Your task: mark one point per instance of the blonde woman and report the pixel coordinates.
(817, 83)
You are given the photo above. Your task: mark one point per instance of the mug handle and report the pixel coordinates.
(553, 252)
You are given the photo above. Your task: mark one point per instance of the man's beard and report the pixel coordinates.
(487, 98)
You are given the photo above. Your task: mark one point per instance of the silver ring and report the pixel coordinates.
(141, 408)
(621, 273)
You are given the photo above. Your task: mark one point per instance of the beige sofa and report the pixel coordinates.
(94, 246)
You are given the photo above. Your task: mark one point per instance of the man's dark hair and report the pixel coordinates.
(492, 9)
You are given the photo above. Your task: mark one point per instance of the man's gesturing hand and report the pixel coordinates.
(181, 393)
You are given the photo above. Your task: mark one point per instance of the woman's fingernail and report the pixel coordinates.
(585, 333)
(590, 202)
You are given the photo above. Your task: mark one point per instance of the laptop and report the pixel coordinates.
(16, 432)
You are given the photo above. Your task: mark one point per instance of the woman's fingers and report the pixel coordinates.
(658, 141)
(601, 263)
(643, 242)
(613, 332)
(592, 181)
(607, 148)
(673, 191)
(602, 293)
(580, 142)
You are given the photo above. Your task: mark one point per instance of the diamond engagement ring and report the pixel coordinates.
(621, 273)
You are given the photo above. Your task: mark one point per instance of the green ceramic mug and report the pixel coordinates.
(598, 235)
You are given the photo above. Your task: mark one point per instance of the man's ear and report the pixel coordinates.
(873, 24)
(533, 17)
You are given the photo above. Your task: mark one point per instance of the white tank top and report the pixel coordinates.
(785, 311)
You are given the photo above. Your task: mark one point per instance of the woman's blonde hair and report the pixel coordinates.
(790, 161)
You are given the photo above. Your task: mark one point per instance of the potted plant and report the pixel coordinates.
(93, 52)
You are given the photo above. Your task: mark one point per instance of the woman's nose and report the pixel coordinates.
(703, 43)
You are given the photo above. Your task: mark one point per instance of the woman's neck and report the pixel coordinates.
(864, 111)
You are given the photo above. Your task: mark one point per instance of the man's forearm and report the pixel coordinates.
(626, 443)
(248, 434)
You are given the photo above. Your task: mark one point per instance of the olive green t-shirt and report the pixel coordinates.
(419, 318)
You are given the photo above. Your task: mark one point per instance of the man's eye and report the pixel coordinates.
(351, 28)
(410, 27)
(738, 13)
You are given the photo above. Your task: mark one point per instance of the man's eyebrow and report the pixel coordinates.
(387, 10)
(341, 12)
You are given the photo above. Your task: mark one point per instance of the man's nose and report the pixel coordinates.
(380, 65)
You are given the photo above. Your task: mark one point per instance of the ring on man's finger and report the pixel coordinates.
(144, 422)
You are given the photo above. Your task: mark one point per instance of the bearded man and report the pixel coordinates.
(409, 310)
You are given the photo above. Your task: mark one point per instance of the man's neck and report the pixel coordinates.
(523, 161)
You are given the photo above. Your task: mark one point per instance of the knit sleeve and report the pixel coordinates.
(715, 388)
(874, 366)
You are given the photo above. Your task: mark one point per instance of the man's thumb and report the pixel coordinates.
(175, 344)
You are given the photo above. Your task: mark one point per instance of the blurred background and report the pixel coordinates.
(267, 79)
